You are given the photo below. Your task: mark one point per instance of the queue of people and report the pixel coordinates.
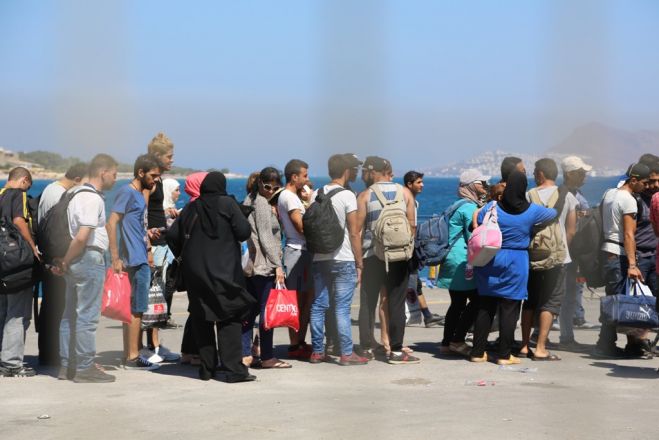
(327, 245)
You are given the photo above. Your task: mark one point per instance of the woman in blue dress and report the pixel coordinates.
(502, 282)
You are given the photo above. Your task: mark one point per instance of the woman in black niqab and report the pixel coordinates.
(514, 200)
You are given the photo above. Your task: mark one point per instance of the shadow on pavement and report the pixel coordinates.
(628, 372)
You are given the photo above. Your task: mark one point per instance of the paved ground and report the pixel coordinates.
(577, 398)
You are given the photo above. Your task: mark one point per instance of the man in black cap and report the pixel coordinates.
(619, 211)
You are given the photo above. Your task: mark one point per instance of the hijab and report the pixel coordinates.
(514, 200)
(208, 205)
(168, 187)
(469, 192)
(193, 184)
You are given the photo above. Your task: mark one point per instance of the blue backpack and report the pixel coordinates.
(432, 237)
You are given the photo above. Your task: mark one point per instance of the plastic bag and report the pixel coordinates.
(281, 309)
(116, 296)
(156, 314)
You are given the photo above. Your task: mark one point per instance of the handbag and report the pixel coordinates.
(116, 296)
(175, 269)
(635, 309)
(156, 314)
(486, 240)
(281, 309)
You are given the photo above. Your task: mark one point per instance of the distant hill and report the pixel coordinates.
(609, 150)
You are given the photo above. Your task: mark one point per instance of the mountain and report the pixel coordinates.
(608, 148)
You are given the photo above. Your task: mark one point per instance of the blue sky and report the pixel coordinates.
(248, 84)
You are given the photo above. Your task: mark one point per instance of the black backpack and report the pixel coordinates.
(16, 259)
(322, 230)
(53, 234)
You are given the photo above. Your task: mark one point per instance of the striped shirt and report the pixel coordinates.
(373, 210)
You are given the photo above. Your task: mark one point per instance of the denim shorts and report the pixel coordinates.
(140, 283)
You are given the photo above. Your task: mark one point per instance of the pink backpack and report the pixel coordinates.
(486, 239)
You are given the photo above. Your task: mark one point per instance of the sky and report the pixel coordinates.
(243, 85)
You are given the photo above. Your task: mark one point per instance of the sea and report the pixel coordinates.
(438, 193)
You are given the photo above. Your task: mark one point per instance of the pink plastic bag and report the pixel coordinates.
(116, 296)
(486, 239)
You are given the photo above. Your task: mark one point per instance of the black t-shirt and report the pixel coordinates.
(12, 204)
(156, 213)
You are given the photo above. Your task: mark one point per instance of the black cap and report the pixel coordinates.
(351, 160)
(638, 170)
(375, 163)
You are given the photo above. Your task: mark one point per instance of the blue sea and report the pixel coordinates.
(438, 193)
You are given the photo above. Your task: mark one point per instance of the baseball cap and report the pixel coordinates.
(574, 163)
(375, 163)
(472, 175)
(351, 160)
(638, 170)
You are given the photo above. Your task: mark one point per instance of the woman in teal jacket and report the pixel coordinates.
(460, 315)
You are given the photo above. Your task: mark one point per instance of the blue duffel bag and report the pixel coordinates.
(636, 309)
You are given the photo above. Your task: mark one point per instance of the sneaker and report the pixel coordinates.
(298, 352)
(151, 356)
(22, 371)
(166, 354)
(140, 363)
(171, 324)
(460, 348)
(555, 326)
(402, 358)
(369, 354)
(585, 325)
(434, 320)
(93, 374)
(639, 351)
(572, 346)
(238, 379)
(63, 374)
(609, 353)
(353, 359)
(317, 358)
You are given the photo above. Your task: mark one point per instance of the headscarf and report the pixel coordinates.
(469, 192)
(514, 200)
(193, 184)
(168, 187)
(208, 206)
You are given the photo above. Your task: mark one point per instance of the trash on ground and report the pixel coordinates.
(479, 383)
(43, 417)
(517, 369)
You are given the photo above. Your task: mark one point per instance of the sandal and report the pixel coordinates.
(550, 357)
(529, 355)
(460, 348)
(276, 363)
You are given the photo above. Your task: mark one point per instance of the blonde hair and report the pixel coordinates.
(160, 144)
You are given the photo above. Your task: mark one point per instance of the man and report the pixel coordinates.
(619, 212)
(510, 164)
(413, 180)
(16, 308)
(83, 267)
(547, 287)
(297, 260)
(54, 287)
(571, 313)
(375, 274)
(134, 255)
(654, 216)
(336, 274)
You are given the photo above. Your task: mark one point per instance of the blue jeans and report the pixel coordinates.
(570, 303)
(84, 290)
(259, 287)
(334, 283)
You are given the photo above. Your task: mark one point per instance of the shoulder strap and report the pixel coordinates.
(535, 196)
(335, 191)
(560, 203)
(553, 199)
(379, 194)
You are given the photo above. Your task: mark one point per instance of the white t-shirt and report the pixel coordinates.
(289, 201)
(88, 209)
(343, 203)
(49, 198)
(616, 204)
(570, 205)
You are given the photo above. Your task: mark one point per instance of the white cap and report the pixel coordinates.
(472, 175)
(574, 163)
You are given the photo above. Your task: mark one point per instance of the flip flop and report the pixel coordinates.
(277, 365)
(528, 355)
(551, 357)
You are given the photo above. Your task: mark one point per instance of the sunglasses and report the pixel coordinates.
(652, 181)
(268, 187)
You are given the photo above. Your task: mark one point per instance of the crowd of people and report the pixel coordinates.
(324, 244)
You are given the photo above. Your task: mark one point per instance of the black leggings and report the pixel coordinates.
(460, 315)
(508, 315)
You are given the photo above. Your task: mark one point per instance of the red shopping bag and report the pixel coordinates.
(116, 296)
(281, 309)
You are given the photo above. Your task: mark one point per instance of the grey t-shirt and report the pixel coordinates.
(49, 198)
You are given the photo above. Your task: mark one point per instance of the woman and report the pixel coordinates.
(214, 226)
(172, 191)
(502, 283)
(460, 315)
(267, 269)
